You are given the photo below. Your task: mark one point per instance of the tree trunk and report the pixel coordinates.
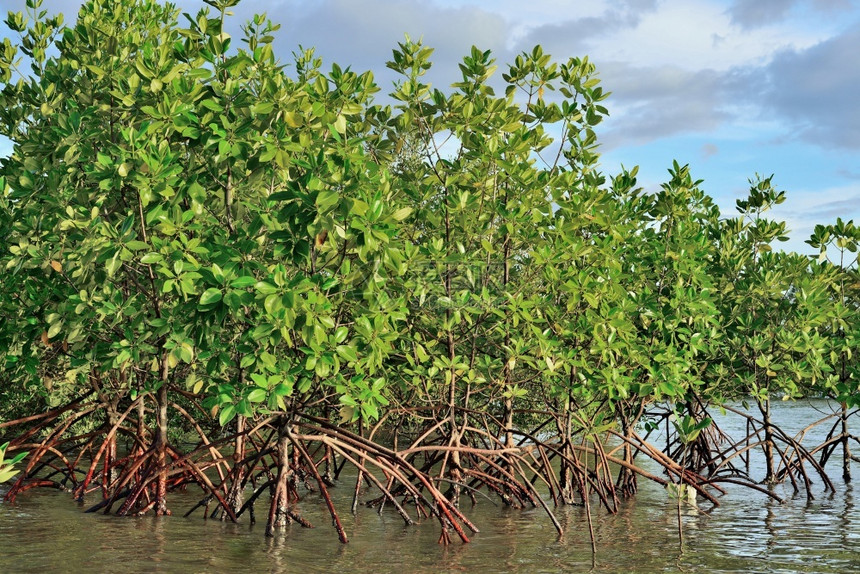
(567, 482)
(278, 509)
(109, 473)
(160, 445)
(846, 452)
(235, 498)
(626, 482)
(764, 407)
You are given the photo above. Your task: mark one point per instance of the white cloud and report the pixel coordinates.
(650, 103)
(683, 33)
(816, 90)
(755, 13)
(363, 34)
(805, 209)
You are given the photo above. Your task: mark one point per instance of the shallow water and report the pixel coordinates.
(45, 531)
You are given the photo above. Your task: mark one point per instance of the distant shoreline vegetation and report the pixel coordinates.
(201, 240)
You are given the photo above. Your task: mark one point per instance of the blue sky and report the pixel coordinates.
(732, 87)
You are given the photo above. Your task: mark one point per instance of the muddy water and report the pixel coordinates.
(47, 532)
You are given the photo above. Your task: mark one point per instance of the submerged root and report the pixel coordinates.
(428, 477)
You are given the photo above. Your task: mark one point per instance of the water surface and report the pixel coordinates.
(46, 531)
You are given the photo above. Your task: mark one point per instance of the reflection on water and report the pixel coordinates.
(46, 531)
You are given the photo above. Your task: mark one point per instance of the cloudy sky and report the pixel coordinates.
(732, 87)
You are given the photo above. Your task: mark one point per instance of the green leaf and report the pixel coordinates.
(152, 257)
(370, 411)
(347, 353)
(293, 119)
(136, 245)
(327, 198)
(211, 295)
(185, 352)
(340, 124)
(283, 389)
(265, 288)
(263, 108)
(262, 330)
(7, 473)
(113, 264)
(402, 213)
(243, 282)
(55, 329)
(228, 412)
(257, 396)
